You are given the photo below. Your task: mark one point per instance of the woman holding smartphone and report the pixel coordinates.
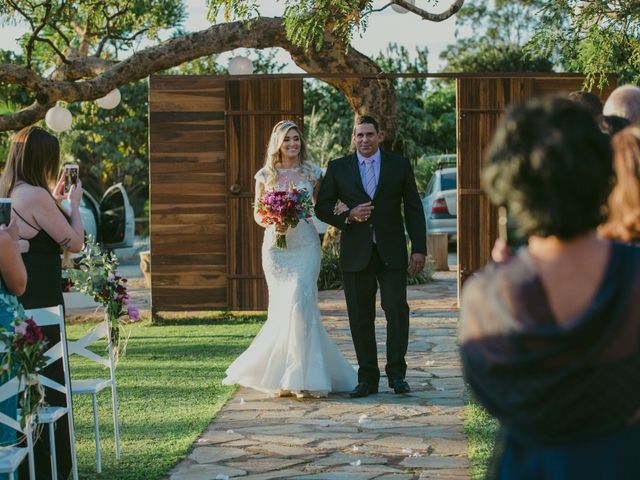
(29, 179)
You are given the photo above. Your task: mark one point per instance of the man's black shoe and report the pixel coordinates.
(363, 389)
(400, 385)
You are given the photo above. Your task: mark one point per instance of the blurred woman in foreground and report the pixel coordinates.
(549, 338)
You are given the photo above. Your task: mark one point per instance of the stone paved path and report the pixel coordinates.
(384, 436)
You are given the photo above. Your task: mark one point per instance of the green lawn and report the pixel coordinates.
(481, 429)
(169, 389)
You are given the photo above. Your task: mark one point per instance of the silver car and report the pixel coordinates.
(440, 203)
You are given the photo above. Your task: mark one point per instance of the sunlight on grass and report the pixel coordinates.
(481, 429)
(169, 389)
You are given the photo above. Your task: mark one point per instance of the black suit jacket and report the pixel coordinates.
(396, 188)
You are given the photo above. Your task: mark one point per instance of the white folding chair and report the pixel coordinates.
(54, 316)
(12, 457)
(95, 386)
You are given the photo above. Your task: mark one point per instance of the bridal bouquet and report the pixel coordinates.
(23, 356)
(285, 207)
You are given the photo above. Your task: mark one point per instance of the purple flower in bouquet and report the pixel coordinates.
(285, 207)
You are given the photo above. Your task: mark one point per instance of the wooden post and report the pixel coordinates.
(437, 247)
(145, 266)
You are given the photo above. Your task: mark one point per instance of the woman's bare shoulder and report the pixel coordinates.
(29, 193)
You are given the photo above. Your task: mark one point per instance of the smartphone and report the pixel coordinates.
(5, 211)
(507, 231)
(70, 176)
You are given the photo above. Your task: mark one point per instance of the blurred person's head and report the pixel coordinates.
(624, 102)
(612, 124)
(550, 165)
(588, 100)
(34, 158)
(624, 202)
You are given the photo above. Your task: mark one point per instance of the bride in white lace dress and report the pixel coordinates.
(292, 353)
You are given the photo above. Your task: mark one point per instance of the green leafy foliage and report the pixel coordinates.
(330, 276)
(497, 44)
(102, 28)
(329, 122)
(595, 37)
(111, 145)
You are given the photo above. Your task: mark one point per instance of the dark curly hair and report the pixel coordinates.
(550, 165)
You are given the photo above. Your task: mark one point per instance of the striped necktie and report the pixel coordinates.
(369, 177)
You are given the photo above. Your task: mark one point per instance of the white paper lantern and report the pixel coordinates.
(58, 119)
(240, 65)
(110, 100)
(399, 9)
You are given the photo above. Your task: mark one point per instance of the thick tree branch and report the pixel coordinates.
(432, 17)
(364, 95)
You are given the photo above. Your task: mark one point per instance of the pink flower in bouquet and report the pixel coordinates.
(27, 333)
(285, 207)
(21, 329)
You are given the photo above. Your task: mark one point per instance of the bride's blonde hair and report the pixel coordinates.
(273, 157)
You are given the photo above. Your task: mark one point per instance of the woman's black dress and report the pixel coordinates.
(44, 289)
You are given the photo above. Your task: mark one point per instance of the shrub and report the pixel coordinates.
(330, 277)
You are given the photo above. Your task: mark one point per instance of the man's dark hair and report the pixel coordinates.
(367, 119)
(612, 124)
(550, 165)
(588, 100)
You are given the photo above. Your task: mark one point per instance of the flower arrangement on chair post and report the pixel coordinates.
(24, 356)
(97, 277)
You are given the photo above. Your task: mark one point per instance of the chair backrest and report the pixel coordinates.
(46, 317)
(12, 389)
(80, 347)
(54, 316)
(8, 390)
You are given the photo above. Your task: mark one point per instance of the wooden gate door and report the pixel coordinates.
(253, 107)
(480, 102)
(187, 188)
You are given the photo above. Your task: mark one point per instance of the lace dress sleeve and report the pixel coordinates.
(261, 176)
(316, 174)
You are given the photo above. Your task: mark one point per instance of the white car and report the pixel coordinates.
(110, 221)
(441, 203)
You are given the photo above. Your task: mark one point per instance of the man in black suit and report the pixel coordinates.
(373, 250)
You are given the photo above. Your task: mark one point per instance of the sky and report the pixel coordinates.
(384, 27)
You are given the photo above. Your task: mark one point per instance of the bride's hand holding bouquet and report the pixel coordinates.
(284, 209)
